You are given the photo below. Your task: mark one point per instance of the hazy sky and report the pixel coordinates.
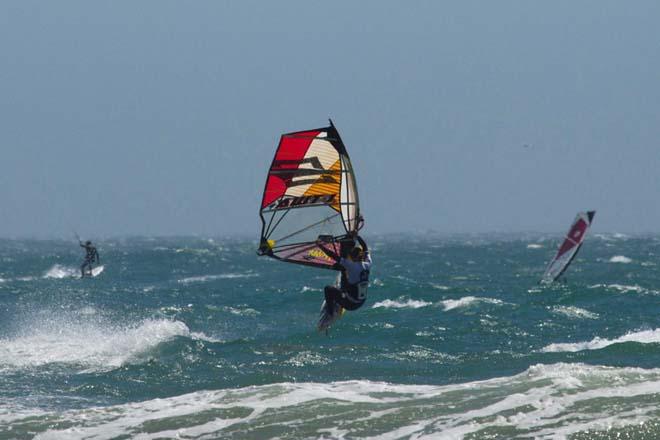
(162, 117)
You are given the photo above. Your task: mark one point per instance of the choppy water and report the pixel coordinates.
(199, 338)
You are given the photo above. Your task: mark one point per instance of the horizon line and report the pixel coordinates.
(255, 237)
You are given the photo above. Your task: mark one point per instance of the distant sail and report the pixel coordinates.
(310, 193)
(570, 246)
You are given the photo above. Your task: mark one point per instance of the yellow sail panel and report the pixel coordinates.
(330, 185)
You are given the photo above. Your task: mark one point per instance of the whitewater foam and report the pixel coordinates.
(307, 358)
(206, 278)
(574, 312)
(545, 401)
(624, 288)
(597, 343)
(241, 310)
(401, 304)
(58, 272)
(620, 259)
(467, 301)
(87, 341)
(195, 251)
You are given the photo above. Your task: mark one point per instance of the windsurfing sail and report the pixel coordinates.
(310, 194)
(569, 247)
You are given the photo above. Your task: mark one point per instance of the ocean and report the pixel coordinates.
(198, 338)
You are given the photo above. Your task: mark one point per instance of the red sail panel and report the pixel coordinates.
(574, 237)
(290, 152)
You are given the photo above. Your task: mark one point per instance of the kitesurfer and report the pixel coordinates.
(91, 256)
(352, 292)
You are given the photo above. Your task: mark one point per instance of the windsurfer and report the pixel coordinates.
(91, 256)
(355, 277)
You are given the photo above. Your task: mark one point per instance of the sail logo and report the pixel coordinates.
(290, 202)
(317, 253)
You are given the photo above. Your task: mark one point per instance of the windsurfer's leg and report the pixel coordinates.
(86, 265)
(348, 304)
(332, 295)
(348, 300)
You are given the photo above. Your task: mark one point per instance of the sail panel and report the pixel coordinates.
(308, 254)
(349, 200)
(310, 193)
(288, 159)
(569, 247)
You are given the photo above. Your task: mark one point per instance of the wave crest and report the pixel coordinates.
(408, 304)
(620, 259)
(206, 278)
(450, 304)
(574, 312)
(597, 343)
(531, 404)
(89, 344)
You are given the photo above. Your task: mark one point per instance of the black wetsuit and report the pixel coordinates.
(91, 257)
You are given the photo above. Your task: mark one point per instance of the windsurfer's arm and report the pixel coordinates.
(363, 243)
(365, 249)
(360, 223)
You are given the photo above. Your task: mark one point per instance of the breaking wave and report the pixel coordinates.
(537, 403)
(574, 312)
(241, 310)
(620, 259)
(641, 337)
(206, 278)
(408, 304)
(86, 341)
(467, 301)
(624, 288)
